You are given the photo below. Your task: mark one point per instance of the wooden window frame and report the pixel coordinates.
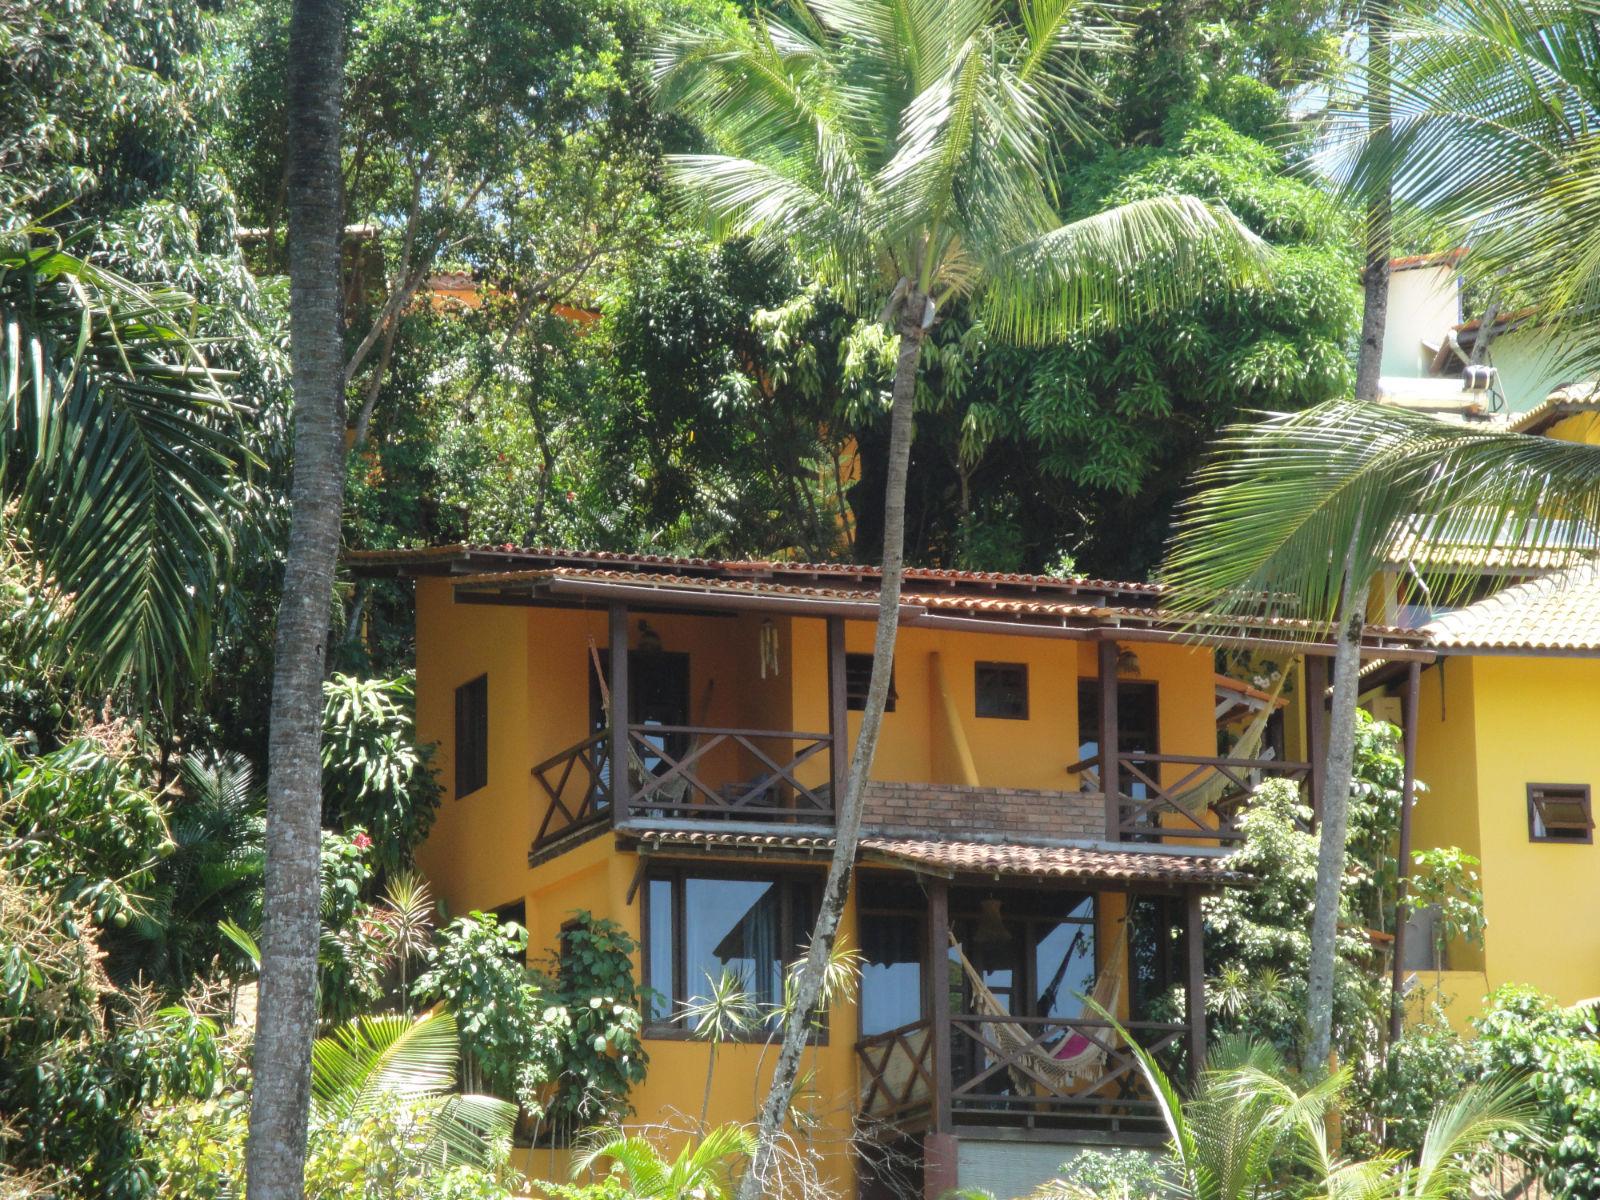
(672, 1029)
(978, 669)
(1573, 791)
(857, 701)
(471, 752)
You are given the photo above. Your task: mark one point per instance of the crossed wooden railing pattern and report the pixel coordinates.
(576, 787)
(996, 1075)
(1219, 786)
(676, 790)
(897, 1072)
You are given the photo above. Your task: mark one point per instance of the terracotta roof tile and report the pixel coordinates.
(1557, 612)
(1563, 402)
(1017, 859)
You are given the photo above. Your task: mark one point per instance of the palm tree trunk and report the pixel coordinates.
(836, 890)
(1380, 200)
(1335, 823)
(286, 1017)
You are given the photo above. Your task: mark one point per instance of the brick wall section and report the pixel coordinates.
(942, 808)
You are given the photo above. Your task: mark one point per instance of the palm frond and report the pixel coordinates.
(379, 1057)
(1131, 260)
(1288, 505)
(117, 445)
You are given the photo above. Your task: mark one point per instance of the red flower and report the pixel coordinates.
(362, 841)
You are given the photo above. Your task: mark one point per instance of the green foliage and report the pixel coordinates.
(1446, 881)
(600, 1053)
(509, 1034)
(1390, 1107)
(1111, 1174)
(1262, 935)
(386, 1120)
(374, 774)
(704, 1169)
(211, 873)
(1557, 1050)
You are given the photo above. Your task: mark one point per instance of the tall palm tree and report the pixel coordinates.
(1493, 142)
(117, 446)
(1277, 495)
(1484, 117)
(287, 1013)
(901, 153)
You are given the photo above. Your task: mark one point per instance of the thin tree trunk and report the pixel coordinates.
(836, 890)
(286, 1016)
(1380, 201)
(1335, 825)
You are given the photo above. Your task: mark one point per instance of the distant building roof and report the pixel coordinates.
(1074, 607)
(1413, 262)
(1567, 400)
(1559, 613)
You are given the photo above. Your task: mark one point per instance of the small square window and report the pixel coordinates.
(472, 736)
(858, 677)
(1559, 812)
(1001, 690)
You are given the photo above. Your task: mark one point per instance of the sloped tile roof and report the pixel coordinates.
(1557, 612)
(1563, 402)
(954, 857)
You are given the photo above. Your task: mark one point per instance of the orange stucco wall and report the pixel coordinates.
(538, 667)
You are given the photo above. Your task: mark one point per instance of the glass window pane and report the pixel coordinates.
(891, 972)
(734, 925)
(1063, 965)
(660, 950)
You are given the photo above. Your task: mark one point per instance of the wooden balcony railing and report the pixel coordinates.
(1207, 786)
(674, 787)
(1025, 1072)
(576, 787)
(897, 1076)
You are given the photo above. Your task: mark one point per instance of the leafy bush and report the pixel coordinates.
(1558, 1050)
(1114, 1174)
(509, 1034)
(375, 776)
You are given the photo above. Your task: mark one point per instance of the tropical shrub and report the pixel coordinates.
(1113, 1174)
(510, 1034)
(1557, 1050)
(375, 776)
(386, 1121)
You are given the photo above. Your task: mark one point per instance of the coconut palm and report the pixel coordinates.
(117, 447)
(374, 1064)
(901, 153)
(703, 1169)
(1245, 1127)
(287, 1013)
(1277, 496)
(1494, 143)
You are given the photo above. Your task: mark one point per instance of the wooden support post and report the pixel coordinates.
(1110, 770)
(938, 959)
(618, 666)
(838, 714)
(1408, 790)
(1194, 981)
(1316, 688)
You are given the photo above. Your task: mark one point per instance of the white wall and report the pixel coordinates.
(1012, 1168)
(1424, 304)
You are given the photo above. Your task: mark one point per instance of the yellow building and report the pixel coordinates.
(997, 887)
(1508, 743)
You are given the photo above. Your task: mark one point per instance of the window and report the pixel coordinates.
(890, 928)
(1559, 812)
(472, 736)
(1001, 690)
(699, 925)
(858, 677)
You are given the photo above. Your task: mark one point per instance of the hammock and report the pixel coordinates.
(1077, 1055)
